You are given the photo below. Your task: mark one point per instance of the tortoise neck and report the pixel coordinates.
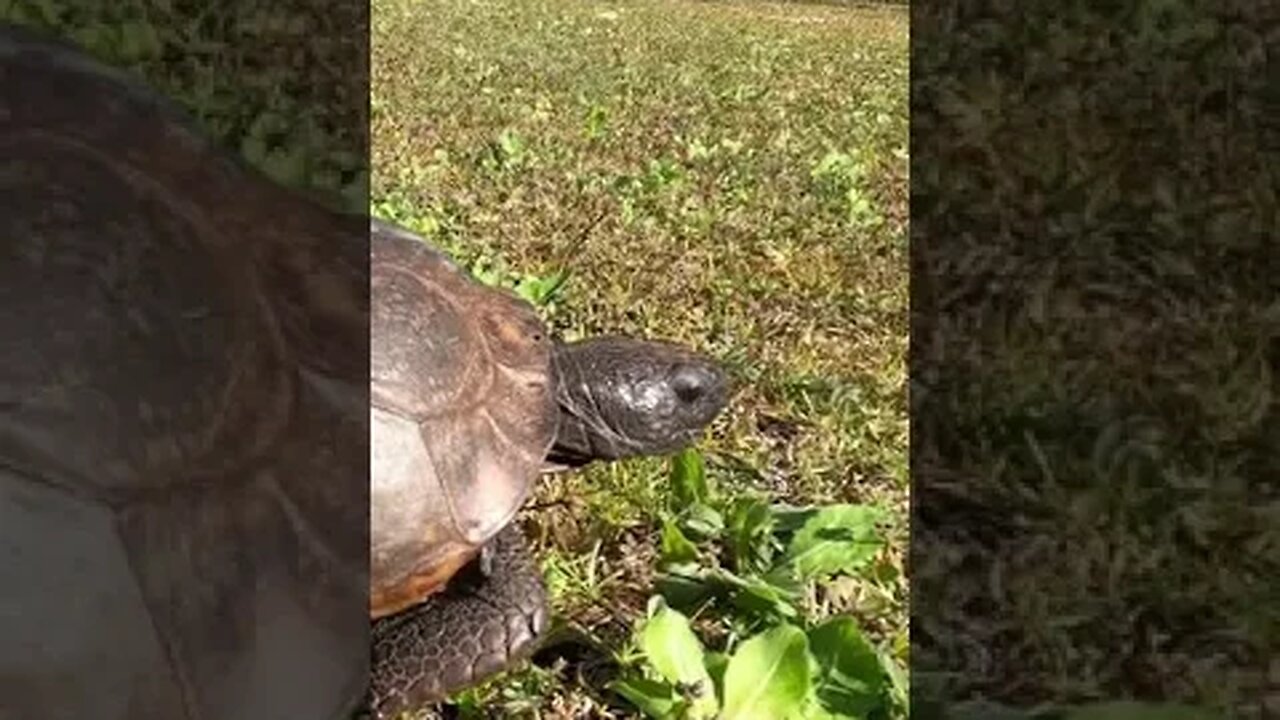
(580, 421)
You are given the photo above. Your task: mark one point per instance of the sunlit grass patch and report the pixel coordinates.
(729, 175)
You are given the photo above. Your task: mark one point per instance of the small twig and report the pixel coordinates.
(579, 241)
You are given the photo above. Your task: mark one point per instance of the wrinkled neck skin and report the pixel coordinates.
(622, 397)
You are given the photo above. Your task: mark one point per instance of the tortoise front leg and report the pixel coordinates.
(491, 615)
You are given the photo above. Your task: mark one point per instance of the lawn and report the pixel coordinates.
(1094, 354)
(728, 175)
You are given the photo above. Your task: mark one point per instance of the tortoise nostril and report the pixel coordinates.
(691, 383)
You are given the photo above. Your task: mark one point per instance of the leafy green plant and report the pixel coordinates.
(435, 224)
(829, 672)
(746, 565)
(844, 176)
(294, 117)
(596, 125)
(539, 290)
(429, 222)
(508, 152)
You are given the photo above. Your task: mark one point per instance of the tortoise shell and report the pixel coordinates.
(183, 437)
(463, 414)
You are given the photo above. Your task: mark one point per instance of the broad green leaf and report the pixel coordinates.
(768, 676)
(286, 164)
(815, 710)
(703, 522)
(790, 518)
(49, 11)
(656, 699)
(677, 655)
(763, 601)
(770, 597)
(850, 678)
(899, 684)
(138, 40)
(488, 273)
(512, 145)
(836, 539)
(684, 586)
(541, 291)
(750, 534)
(253, 148)
(698, 151)
(1127, 710)
(676, 548)
(597, 122)
(689, 478)
(717, 663)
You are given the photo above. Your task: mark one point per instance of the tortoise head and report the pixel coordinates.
(621, 397)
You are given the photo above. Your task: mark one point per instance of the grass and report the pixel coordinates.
(729, 175)
(1096, 347)
(276, 84)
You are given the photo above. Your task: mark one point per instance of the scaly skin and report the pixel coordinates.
(478, 625)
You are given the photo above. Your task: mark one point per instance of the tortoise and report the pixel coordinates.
(471, 400)
(183, 415)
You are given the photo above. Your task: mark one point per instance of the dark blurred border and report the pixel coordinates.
(1096, 314)
(283, 88)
